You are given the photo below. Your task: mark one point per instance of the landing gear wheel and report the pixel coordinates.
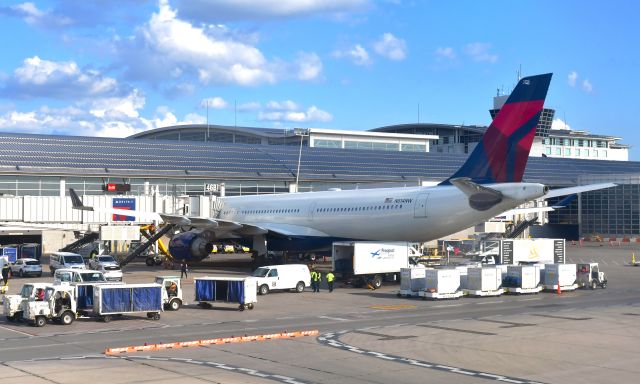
(67, 318)
(264, 289)
(300, 287)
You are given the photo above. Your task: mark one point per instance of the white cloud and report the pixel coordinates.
(587, 86)
(226, 10)
(445, 53)
(58, 79)
(480, 52)
(194, 118)
(559, 124)
(357, 54)
(30, 13)
(213, 54)
(214, 102)
(571, 79)
(289, 111)
(391, 47)
(286, 105)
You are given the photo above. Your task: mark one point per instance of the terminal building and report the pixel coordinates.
(184, 168)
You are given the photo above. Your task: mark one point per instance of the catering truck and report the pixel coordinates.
(522, 252)
(369, 262)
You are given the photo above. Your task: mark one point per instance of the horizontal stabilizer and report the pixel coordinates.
(480, 198)
(579, 189)
(76, 202)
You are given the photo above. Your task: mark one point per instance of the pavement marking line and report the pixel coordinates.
(332, 340)
(489, 302)
(530, 299)
(382, 336)
(332, 318)
(16, 331)
(456, 330)
(446, 305)
(218, 341)
(509, 324)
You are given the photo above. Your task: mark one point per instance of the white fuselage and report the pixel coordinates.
(387, 214)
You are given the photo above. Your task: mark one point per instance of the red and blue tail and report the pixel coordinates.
(502, 154)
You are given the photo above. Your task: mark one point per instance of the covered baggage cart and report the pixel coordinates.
(216, 289)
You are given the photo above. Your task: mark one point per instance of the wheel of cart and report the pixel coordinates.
(40, 321)
(250, 305)
(175, 304)
(67, 318)
(106, 318)
(153, 315)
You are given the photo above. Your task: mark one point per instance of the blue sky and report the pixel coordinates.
(113, 68)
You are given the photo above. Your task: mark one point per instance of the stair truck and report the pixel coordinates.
(58, 305)
(370, 262)
(216, 289)
(127, 299)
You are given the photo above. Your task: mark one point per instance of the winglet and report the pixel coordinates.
(76, 202)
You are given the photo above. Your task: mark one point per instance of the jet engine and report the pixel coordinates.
(192, 245)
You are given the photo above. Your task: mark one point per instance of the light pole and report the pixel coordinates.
(302, 132)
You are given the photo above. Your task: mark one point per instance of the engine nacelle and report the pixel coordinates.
(192, 245)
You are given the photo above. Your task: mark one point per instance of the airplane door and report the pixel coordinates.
(312, 209)
(420, 209)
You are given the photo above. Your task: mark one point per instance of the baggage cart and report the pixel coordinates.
(221, 289)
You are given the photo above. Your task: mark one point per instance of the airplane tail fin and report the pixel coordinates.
(502, 154)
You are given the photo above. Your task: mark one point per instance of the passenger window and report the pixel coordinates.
(273, 273)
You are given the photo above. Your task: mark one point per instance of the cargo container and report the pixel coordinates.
(484, 281)
(121, 299)
(522, 279)
(441, 284)
(221, 289)
(563, 275)
(412, 281)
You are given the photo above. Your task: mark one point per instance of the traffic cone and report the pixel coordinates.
(633, 258)
(559, 291)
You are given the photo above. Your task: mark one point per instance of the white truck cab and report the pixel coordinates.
(14, 305)
(58, 304)
(172, 297)
(285, 276)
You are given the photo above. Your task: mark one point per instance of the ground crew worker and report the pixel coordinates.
(172, 290)
(330, 278)
(5, 273)
(316, 278)
(183, 269)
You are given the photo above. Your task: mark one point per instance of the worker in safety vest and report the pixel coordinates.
(330, 278)
(316, 278)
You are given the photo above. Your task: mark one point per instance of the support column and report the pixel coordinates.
(63, 187)
(146, 188)
(293, 187)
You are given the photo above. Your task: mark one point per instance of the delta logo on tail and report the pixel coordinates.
(501, 156)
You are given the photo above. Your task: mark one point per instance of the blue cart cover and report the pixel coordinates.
(85, 296)
(205, 290)
(116, 300)
(147, 298)
(236, 292)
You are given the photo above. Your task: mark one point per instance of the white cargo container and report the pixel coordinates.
(412, 281)
(522, 279)
(463, 269)
(442, 284)
(563, 275)
(370, 261)
(484, 281)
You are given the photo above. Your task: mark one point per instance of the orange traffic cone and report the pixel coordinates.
(559, 291)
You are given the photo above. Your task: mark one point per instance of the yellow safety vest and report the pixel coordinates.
(330, 277)
(316, 276)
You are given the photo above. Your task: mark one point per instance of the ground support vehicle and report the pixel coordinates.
(221, 289)
(484, 281)
(14, 305)
(370, 262)
(108, 266)
(172, 297)
(522, 279)
(412, 281)
(285, 276)
(562, 275)
(588, 275)
(127, 299)
(58, 305)
(441, 284)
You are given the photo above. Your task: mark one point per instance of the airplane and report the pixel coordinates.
(486, 185)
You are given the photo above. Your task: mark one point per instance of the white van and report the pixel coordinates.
(67, 260)
(286, 276)
(78, 276)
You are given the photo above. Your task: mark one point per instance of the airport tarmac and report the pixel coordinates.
(365, 336)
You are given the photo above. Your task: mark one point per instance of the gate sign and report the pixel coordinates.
(124, 203)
